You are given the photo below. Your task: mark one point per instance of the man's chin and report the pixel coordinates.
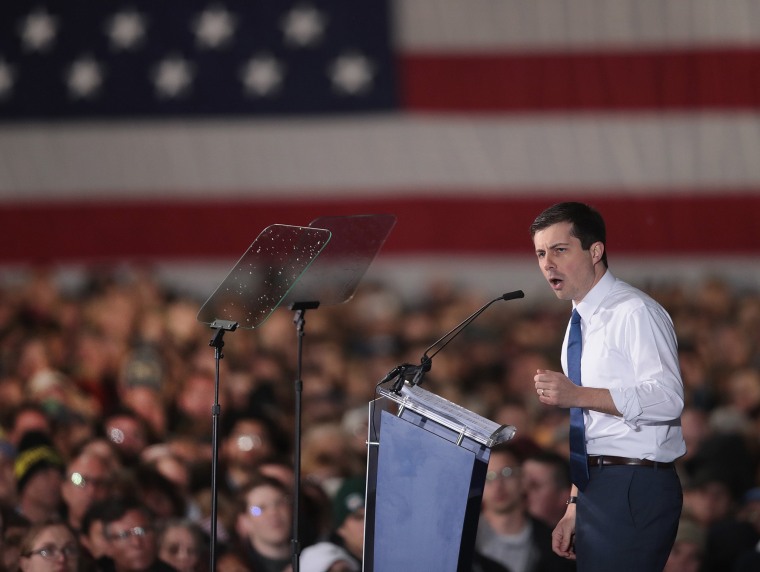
(561, 295)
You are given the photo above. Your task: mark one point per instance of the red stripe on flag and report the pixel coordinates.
(642, 80)
(478, 225)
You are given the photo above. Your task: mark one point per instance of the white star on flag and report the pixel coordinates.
(214, 28)
(126, 30)
(38, 31)
(7, 77)
(303, 26)
(84, 78)
(351, 73)
(173, 77)
(262, 75)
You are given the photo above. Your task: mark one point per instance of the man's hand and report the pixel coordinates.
(564, 535)
(554, 388)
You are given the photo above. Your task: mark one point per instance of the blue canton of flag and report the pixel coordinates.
(89, 58)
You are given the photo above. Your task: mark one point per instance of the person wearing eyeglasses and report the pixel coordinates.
(131, 543)
(507, 533)
(87, 479)
(49, 547)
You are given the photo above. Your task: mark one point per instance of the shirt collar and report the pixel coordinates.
(591, 301)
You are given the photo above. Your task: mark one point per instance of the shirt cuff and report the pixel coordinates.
(626, 402)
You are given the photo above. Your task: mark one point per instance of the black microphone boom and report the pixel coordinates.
(414, 374)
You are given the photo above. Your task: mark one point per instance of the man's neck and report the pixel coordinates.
(273, 551)
(509, 522)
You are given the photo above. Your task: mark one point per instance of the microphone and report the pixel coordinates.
(414, 374)
(511, 295)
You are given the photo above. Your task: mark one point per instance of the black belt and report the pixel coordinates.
(608, 460)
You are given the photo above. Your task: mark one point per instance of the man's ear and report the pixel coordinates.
(597, 250)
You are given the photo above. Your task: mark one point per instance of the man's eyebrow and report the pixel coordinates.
(552, 246)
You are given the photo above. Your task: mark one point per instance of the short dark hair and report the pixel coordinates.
(94, 513)
(117, 508)
(256, 481)
(560, 467)
(588, 224)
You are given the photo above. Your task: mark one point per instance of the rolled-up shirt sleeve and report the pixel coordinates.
(656, 392)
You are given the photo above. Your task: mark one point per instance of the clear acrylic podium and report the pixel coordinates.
(426, 468)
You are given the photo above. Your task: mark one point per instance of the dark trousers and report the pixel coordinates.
(627, 519)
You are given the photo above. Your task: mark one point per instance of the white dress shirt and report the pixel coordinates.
(630, 348)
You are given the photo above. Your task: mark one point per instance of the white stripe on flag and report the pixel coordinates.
(393, 155)
(528, 25)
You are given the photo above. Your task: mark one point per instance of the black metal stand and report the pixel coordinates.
(299, 320)
(217, 342)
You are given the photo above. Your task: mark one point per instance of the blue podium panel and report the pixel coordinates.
(425, 484)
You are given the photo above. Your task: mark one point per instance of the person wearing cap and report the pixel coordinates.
(327, 557)
(39, 474)
(348, 518)
(7, 477)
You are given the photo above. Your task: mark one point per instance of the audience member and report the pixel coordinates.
(7, 477)
(13, 527)
(231, 561)
(74, 357)
(158, 494)
(92, 536)
(507, 533)
(181, 543)
(246, 443)
(39, 474)
(128, 433)
(87, 479)
(194, 400)
(264, 524)
(328, 456)
(26, 417)
(327, 557)
(688, 550)
(546, 477)
(49, 547)
(130, 533)
(348, 518)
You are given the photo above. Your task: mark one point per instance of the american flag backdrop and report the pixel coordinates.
(178, 129)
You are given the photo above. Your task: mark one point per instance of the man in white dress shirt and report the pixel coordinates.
(623, 513)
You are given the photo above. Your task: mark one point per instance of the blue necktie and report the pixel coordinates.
(578, 458)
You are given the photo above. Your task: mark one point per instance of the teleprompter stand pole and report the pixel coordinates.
(217, 342)
(299, 320)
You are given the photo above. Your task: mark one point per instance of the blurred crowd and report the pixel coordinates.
(106, 394)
